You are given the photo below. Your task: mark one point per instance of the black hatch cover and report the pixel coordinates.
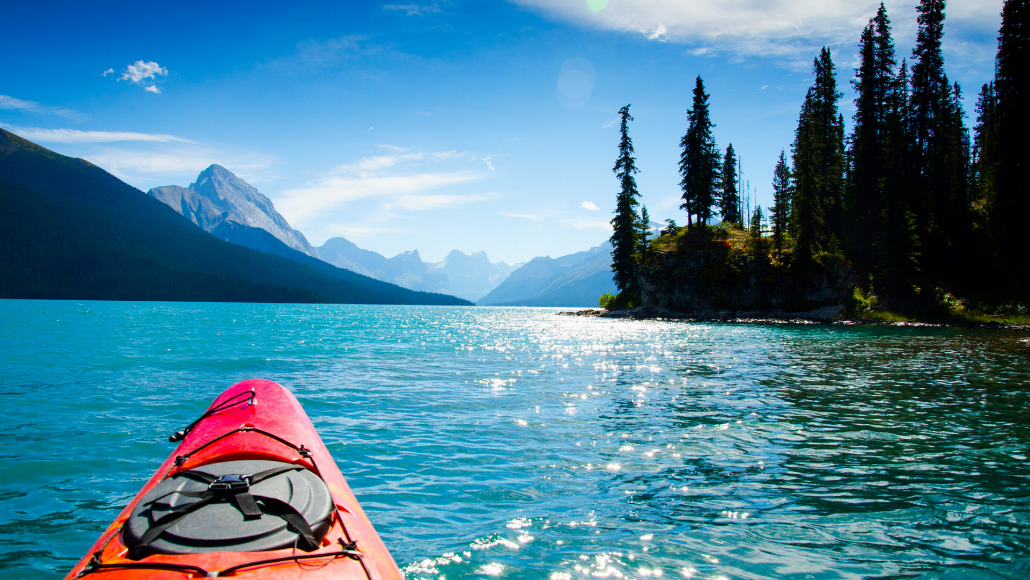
(220, 525)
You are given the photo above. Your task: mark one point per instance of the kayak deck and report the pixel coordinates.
(253, 421)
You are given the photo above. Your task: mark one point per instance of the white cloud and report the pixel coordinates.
(794, 29)
(414, 9)
(75, 136)
(589, 205)
(13, 104)
(140, 71)
(657, 34)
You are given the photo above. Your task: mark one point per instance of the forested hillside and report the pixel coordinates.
(70, 230)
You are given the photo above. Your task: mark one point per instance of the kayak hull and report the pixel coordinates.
(269, 425)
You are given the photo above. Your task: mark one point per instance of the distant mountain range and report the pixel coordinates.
(575, 280)
(467, 276)
(230, 209)
(70, 230)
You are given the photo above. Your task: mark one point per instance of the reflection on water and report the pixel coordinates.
(513, 443)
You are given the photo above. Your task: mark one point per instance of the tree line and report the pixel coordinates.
(915, 203)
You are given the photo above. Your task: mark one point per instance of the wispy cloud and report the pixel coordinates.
(777, 28)
(141, 166)
(414, 9)
(75, 136)
(143, 74)
(13, 104)
(397, 181)
(525, 216)
(589, 205)
(316, 55)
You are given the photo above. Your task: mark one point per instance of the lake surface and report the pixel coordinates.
(513, 443)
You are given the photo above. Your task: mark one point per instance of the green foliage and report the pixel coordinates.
(624, 300)
(625, 224)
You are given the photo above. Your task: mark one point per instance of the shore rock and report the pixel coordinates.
(715, 279)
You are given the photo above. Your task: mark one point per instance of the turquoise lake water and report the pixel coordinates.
(513, 443)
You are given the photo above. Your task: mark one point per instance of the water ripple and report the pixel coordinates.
(512, 443)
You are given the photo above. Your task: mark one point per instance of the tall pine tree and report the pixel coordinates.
(941, 153)
(780, 214)
(625, 223)
(896, 246)
(699, 160)
(828, 125)
(730, 201)
(806, 216)
(1012, 205)
(873, 83)
(986, 155)
(817, 212)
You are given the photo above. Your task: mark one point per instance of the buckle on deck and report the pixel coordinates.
(232, 482)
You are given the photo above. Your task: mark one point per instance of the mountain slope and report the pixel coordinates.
(218, 195)
(72, 231)
(407, 269)
(573, 280)
(343, 253)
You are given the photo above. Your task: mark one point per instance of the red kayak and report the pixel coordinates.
(251, 492)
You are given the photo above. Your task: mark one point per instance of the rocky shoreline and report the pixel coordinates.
(824, 315)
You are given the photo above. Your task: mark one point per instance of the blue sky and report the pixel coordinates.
(469, 125)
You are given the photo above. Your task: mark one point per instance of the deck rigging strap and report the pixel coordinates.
(231, 401)
(349, 550)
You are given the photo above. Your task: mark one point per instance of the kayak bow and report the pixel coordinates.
(250, 492)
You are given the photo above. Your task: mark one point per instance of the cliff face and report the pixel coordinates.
(718, 278)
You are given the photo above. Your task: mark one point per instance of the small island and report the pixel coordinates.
(908, 218)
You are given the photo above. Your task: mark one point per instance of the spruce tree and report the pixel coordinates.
(806, 217)
(645, 228)
(1012, 205)
(872, 84)
(699, 160)
(896, 245)
(730, 202)
(817, 212)
(625, 223)
(755, 228)
(941, 153)
(986, 155)
(780, 214)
